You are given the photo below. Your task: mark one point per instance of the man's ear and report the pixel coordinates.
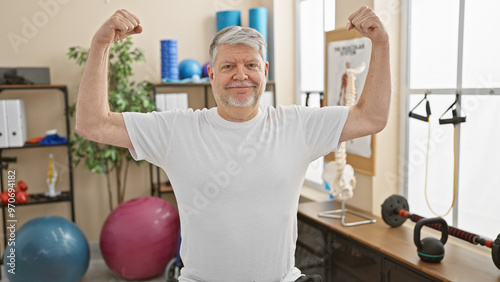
(211, 73)
(266, 70)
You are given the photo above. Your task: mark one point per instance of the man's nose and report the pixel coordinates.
(240, 73)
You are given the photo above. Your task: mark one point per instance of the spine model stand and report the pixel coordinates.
(338, 174)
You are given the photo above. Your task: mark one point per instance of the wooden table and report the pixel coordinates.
(462, 261)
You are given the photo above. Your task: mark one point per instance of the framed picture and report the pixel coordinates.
(349, 50)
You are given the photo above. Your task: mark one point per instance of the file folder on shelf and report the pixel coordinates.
(4, 134)
(160, 102)
(171, 101)
(16, 122)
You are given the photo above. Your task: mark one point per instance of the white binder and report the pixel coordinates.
(16, 122)
(171, 101)
(4, 134)
(182, 101)
(160, 102)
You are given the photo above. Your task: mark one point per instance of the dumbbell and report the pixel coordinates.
(395, 211)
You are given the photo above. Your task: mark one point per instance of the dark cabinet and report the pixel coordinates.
(394, 271)
(339, 258)
(353, 262)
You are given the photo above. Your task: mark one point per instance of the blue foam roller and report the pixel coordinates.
(168, 57)
(258, 20)
(169, 61)
(169, 42)
(169, 48)
(228, 18)
(167, 72)
(168, 65)
(169, 52)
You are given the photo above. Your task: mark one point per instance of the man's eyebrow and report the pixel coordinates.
(251, 60)
(231, 61)
(245, 61)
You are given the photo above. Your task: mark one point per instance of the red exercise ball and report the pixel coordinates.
(4, 198)
(139, 237)
(22, 185)
(22, 197)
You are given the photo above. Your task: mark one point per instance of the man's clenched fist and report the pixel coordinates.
(368, 24)
(121, 25)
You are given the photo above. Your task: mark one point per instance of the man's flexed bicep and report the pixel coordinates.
(94, 120)
(111, 131)
(370, 114)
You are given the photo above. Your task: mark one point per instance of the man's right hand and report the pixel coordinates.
(121, 25)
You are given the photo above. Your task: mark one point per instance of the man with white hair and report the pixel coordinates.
(236, 169)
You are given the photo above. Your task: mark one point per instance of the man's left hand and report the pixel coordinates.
(368, 24)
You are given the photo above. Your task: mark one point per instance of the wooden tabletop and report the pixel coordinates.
(462, 262)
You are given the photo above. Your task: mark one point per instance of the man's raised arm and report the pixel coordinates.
(94, 120)
(370, 114)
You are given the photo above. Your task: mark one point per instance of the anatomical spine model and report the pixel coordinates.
(338, 174)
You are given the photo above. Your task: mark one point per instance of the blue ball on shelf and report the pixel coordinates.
(47, 248)
(188, 68)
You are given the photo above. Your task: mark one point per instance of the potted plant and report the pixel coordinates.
(124, 96)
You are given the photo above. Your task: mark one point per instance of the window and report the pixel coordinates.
(452, 55)
(313, 18)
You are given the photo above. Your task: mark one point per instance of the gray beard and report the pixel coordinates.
(228, 100)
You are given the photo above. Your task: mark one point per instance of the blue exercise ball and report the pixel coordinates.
(48, 248)
(188, 68)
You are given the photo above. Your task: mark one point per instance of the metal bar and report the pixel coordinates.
(158, 181)
(151, 180)
(402, 179)
(433, 91)
(459, 108)
(64, 90)
(298, 67)
(4, 226)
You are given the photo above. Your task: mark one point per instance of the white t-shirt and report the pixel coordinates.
(237, 185)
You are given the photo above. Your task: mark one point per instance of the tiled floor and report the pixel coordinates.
(97, 271)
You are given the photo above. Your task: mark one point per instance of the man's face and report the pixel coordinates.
(238, 76)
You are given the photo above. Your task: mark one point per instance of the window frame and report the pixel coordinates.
(298, 77)
(405, 92)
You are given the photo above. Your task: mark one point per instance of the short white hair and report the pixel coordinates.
(235, 35)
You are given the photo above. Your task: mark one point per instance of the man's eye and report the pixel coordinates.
(226, 67)
(252, 65)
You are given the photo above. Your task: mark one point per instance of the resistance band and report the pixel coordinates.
(454, 120)
(454, 174)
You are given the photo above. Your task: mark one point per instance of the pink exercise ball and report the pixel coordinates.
(139, 237)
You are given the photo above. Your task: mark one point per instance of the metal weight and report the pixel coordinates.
(393, 215)
(431, 249)
(495, 251)
(390, 209)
